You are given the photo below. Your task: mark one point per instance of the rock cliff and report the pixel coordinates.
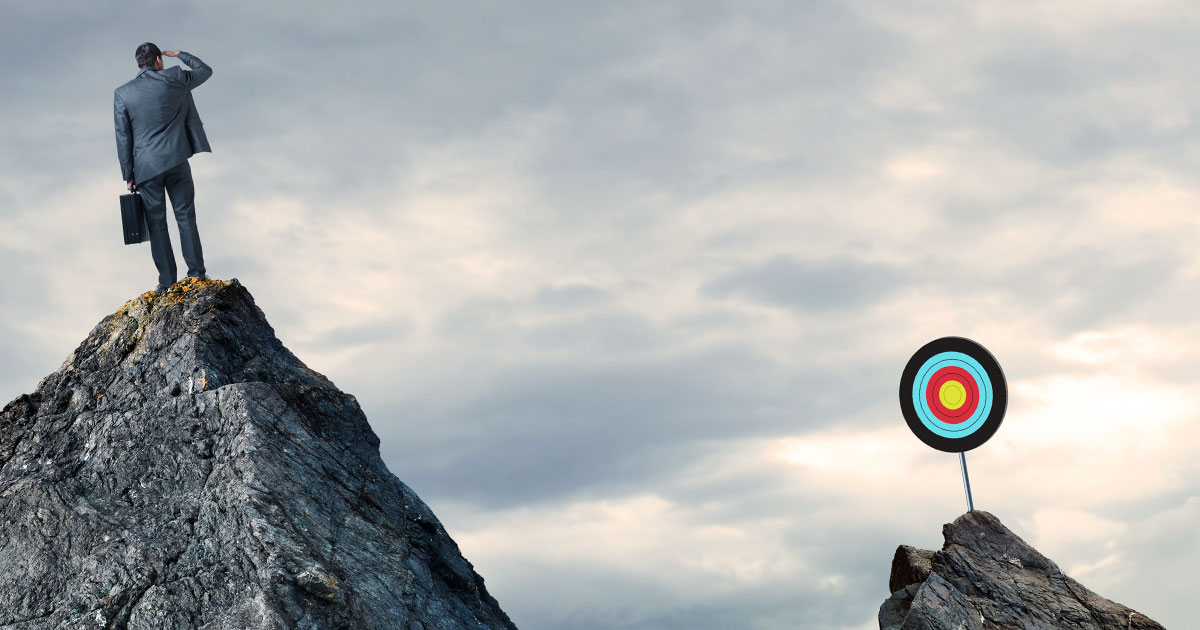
(183, 470)
(986, 578)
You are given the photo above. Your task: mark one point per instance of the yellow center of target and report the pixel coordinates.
(952, 394)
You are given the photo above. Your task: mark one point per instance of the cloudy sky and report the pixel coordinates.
(626, 288)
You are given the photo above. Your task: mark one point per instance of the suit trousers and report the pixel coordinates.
(177, 183)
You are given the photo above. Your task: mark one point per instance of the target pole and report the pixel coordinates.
(962, 460)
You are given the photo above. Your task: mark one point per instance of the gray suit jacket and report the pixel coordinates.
(156, 119)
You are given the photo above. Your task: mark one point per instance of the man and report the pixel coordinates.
(158, 129)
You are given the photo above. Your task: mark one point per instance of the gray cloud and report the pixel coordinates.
(811, 285)
(542, 431)
(1073, 289)
(570, 296)
(1086, 289)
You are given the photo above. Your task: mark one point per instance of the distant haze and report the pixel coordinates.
(626, 288)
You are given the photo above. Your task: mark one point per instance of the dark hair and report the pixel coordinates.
(146, 54)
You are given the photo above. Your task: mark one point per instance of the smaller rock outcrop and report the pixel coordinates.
(987, 578)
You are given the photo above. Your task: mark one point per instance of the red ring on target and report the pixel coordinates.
(970, 389)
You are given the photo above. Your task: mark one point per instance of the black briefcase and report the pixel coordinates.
(133, 219)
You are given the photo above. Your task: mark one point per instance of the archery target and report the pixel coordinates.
(953, 394)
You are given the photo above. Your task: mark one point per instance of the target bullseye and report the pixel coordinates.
(953, 394)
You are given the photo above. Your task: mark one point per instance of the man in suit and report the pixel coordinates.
(158, 129)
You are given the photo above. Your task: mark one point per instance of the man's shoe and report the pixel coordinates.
(161, 289)
(202, 276)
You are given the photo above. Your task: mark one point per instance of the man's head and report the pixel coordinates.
(148, 56)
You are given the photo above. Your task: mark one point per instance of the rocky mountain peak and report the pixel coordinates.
(986, 577)
(184, 470)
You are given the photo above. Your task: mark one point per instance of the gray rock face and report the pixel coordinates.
(987, 578)
(183, 470)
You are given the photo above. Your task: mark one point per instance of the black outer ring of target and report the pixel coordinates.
(999, 390)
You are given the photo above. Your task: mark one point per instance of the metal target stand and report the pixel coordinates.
(962, 461)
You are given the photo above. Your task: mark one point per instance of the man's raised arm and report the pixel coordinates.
(199, 73)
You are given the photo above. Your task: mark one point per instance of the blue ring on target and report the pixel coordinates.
(982, 383)
(974, 407)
